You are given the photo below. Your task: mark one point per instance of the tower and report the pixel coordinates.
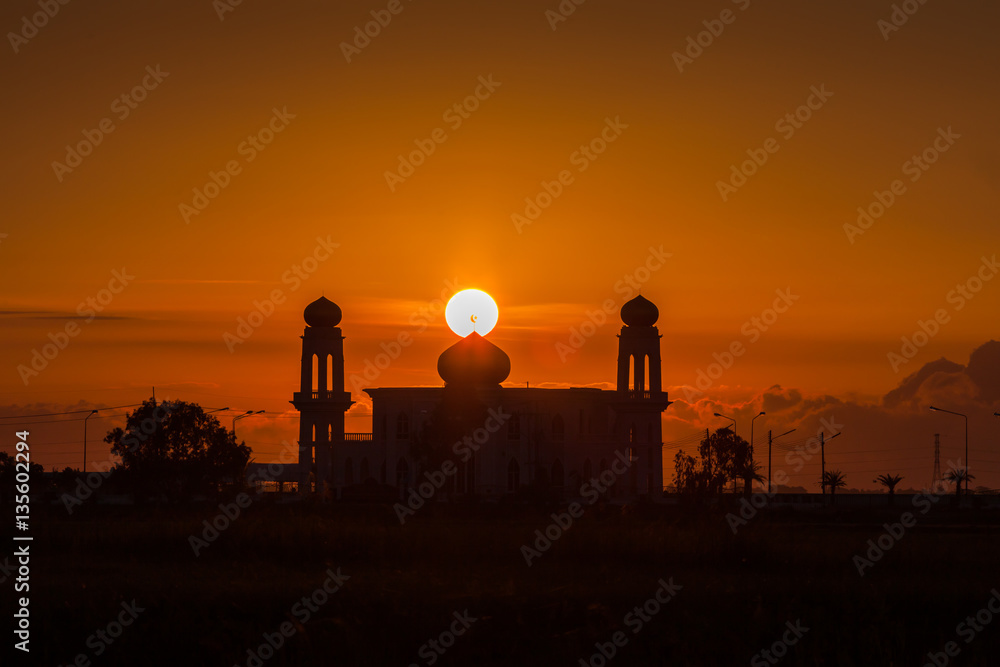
(321, 399)
(640, 398)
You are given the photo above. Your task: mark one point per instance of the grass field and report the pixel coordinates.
(406, 583)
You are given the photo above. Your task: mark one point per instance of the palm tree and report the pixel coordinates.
(889, 482)
(958, 476)
(835, 480)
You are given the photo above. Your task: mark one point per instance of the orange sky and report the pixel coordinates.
(656, 185)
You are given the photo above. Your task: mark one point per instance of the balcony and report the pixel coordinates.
(357, 437)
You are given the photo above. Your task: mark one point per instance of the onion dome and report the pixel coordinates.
(322, 313)
(640, 312)
(474, 361)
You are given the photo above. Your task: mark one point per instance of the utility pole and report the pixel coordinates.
(822, 459)
(769, 460)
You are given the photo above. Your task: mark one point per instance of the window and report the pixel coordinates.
(558, 429)
(402, 426)
(513, 476)
(514, 427)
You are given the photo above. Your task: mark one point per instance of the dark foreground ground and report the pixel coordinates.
(406, 583)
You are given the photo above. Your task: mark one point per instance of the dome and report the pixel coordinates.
(474, 361)
(640, 312)
(322, 313)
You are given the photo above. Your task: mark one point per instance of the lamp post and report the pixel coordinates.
(822, 460)
(966, 418)
(769, 441)
(92, 413)
(208, 412)
(759, 414)
(719, 414)
(245, 414)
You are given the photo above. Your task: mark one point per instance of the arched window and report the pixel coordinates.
(365, 473)
(402, 474)
(315, 373)
(558, 478)
(348, 471)
(558, 428)
(513, 476)
(631, 434)
(402, 426)
(328, 363)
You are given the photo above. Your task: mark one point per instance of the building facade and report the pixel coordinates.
(489, 441)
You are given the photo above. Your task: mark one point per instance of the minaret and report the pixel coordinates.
(641, 399)
(321, 399)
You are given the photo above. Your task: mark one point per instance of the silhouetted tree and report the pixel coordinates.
(958, 476)
(8, 475)
(173, 447)
(722, 457)
(834, 479)
(889, 482)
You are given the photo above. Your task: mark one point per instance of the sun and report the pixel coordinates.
(471, 310)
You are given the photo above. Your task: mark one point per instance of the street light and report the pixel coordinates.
(208, 412)
(966, 418)
(760, 414)
(769, 441)
(822, 459)
(719, 414)
(92, 413)
(245, 414)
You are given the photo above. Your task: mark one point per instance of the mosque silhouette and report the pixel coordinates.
(491, 441)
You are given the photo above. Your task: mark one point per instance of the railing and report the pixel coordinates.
(634, 393)
(357, 437)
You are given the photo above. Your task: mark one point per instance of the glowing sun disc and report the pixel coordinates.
(471, 310)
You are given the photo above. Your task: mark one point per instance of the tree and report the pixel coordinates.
(722, 457)
(176, 449)
(889, 482)
(8, 475)
(958, 476)
(834, 479)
